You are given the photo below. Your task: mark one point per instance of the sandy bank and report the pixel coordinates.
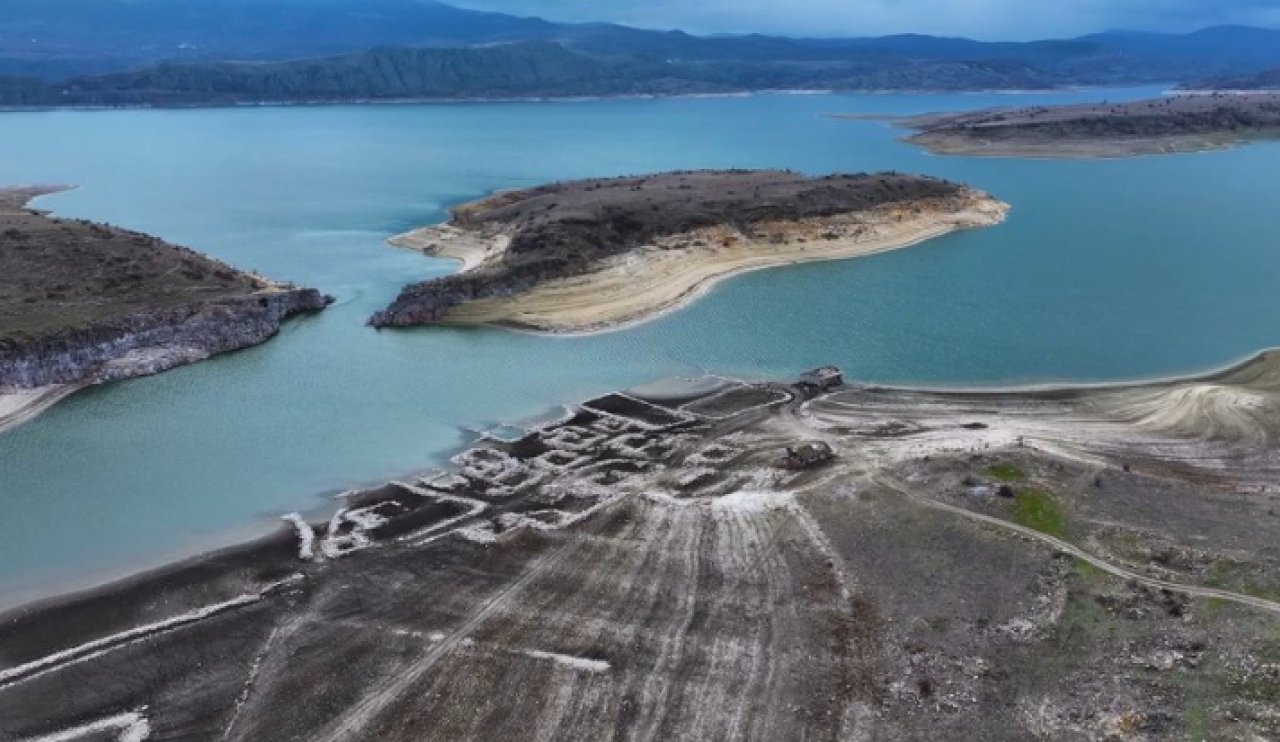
(471, 249)
(19, 407)
(675, 270)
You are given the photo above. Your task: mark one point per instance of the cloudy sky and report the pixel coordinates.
(987, 19)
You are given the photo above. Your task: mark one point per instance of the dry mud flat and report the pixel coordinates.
(1060, 564)
(600, 254)
(1183, 123)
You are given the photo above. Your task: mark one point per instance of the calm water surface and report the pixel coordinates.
(1104, 270)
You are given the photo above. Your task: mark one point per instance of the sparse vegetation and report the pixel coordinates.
(75, 296)
(568, 229)
(1182, 123)
(1035, 508)
(1088, 572)
(1006, 473)
(77, 272)
(1246, 578)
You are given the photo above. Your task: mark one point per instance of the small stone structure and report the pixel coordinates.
(821, 378)
(807, 454)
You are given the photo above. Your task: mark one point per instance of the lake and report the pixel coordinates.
(1105, 270)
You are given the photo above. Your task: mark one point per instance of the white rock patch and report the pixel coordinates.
(753, 501)
(132, 726)
(585, 664)
(306, 536)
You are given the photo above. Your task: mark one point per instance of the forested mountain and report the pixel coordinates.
(26, 91)
(126, 33)
(535, 68)
(187, 52)
(529, 68)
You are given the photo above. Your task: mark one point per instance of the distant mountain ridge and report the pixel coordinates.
(136, 32)
(101, 35)
(526, 69)
(192, 52)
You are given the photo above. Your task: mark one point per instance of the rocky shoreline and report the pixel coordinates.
(1171, 125)
(600, 254)
(88, 303)
(148, 343)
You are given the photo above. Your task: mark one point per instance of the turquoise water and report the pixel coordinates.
(1104, 270)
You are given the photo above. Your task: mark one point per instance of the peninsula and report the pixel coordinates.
(83, 303)
(1182, 123)
(729, 560)
(1267, 80)
(598, 254)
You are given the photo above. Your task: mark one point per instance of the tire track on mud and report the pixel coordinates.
(372, 705)
(657, 686)
(582, 609)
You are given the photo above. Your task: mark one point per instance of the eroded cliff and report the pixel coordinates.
(83, 303)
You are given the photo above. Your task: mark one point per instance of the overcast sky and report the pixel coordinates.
(986, 19)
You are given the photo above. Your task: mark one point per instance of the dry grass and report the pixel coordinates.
(60, 273)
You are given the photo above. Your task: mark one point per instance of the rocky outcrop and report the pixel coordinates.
(82, 302)
(429, 302)
(151, 342)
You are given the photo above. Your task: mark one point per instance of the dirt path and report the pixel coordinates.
(1057, 543)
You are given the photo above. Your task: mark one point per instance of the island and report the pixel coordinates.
(599, 254)
(720, 559)
(1181, 123)
(83, 303)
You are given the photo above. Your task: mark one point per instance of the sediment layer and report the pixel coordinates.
(598, 254)
(150, 342)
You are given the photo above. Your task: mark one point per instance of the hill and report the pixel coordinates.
(1184, 123)
(209, 52)
(527, 69)
(58, 39)
(600, 254)
(1268, 79)
(84, 303)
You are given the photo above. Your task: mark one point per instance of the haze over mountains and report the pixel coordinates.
(182, 52)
